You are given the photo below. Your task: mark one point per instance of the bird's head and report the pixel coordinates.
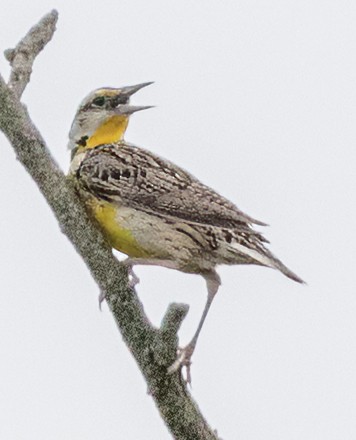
(103, 116)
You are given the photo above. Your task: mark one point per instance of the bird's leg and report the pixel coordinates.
(133, 278)
(212, 282)
(130, 262)
(184, 355)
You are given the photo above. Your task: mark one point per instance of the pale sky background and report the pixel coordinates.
(258, 100)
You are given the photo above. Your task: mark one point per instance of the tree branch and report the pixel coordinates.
(154, 349)
(22, 57)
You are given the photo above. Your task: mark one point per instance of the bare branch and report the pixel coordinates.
(173, 319)
(154, 350)
(22, 57)
(167, 337)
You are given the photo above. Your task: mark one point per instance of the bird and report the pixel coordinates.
(154, 211)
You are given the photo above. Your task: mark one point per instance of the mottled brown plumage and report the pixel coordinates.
(154, 211)
(134, 178)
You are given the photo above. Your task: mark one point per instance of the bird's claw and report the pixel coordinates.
(101, 299)
(183, 360)
(133, 278)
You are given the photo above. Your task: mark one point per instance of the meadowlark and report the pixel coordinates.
(154, 211)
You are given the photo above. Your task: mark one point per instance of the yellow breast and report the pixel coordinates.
(119, 238)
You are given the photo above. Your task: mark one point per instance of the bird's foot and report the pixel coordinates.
(133, 278)
(183, 360)
(101, 298)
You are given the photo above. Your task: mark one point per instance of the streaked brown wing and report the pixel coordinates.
(136, 178)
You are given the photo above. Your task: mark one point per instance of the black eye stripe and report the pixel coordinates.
(115, 101)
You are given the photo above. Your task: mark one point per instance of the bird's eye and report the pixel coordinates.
(99, 101)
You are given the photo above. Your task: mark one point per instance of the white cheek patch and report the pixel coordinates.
(85, 124)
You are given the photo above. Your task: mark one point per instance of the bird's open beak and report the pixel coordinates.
(126, 109)
(130, 90)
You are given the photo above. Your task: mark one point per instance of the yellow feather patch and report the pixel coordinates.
(109, 132)
(106, 92)
(118, 237)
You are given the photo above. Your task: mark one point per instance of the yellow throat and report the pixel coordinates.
(111, 131)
